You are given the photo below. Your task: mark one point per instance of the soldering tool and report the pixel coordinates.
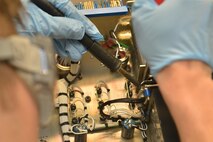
(92, 46)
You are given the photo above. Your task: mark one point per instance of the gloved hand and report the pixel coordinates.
(175, 30)
(66, 31)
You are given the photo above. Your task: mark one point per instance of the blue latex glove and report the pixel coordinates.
(66, 31)
(175, 30)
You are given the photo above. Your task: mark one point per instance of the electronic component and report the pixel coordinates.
(80, 123)
(127, 129)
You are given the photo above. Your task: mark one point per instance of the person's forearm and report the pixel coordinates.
(187, 89)
(19, 117)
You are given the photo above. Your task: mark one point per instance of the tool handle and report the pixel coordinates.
(48, 7)
(101, 54)
(92, 46)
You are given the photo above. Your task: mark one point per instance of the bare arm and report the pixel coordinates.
(18, 111)
(187, 88)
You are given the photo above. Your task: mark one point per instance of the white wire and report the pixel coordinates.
(109, 108)
(118, 49)
(82, 131)
(93, 122)
(71, 99)
(108, 96)
(77, 99)
(113, 106)
(78, 89)
(72, 87)
(116, 26)
(141, 128)
(101, 83)
(77, 110)
(124, 111)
